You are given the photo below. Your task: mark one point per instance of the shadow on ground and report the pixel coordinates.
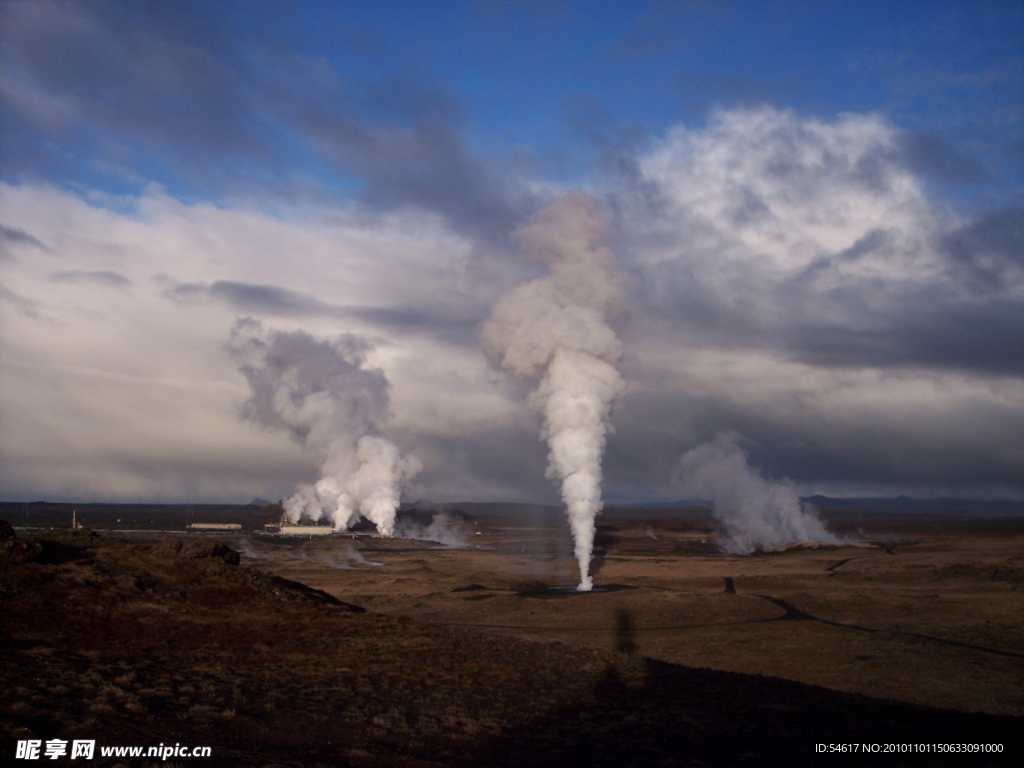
(674, 715)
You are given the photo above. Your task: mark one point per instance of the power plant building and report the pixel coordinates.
(306, 530)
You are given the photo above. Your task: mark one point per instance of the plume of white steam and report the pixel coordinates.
(756, 513)
(320, 393)
(334, 558)
(244, 546)
(350, 553)
(444, 529)
(556, 327)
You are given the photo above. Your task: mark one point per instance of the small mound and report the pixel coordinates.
(192, 548)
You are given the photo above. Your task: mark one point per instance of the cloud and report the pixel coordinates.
(273, 301)
(24, 306)
(17, 236)
(989, 251)
(153, 75)
(99, 277)
(258, 299)
(773, 231)
(835, 430)
(793, 281)
(426, 166)
(786, 277)
(926, 152)
(167, 86)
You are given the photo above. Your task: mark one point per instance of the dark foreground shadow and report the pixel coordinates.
(625, 642)
(682, 716)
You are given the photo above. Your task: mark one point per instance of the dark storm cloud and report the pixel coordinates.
(506, 464)
(959, 444)
(138, 76)
(102, 277)
(257, 299)
(927, 153)
(164, 85)
(946, 322)
(402, 137)
(990, 250)
(819, 319)
(617, 143)
(874, 451)
(981, 335)
(272, 301)
(426, 166)
(19, 237)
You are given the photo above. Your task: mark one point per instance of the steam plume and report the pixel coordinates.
(320, 393)
(556, 327)
(756, 513)
(444, 529)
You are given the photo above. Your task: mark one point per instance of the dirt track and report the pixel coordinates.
(943, 606)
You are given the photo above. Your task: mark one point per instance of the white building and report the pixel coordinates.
(306, 530)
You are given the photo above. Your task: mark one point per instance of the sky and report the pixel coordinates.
(816, 209)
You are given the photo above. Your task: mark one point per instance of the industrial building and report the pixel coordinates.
(286, 527)
(306, 530)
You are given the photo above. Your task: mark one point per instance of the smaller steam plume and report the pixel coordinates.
(756, 513)
(321, 395)
(336, 560)
(556, 328)
(449, 530)
(336, 557)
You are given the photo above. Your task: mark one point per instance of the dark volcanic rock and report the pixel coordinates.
(193, 548)
(313, 595)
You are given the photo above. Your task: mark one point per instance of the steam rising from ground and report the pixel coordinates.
(756, 513)
(556, 327)
(320, 393)
(333, 557)
(443, 529)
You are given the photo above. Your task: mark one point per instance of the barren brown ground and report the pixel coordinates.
(467, 657)
(916, 589)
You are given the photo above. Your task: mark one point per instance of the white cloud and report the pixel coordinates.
(776, 191)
